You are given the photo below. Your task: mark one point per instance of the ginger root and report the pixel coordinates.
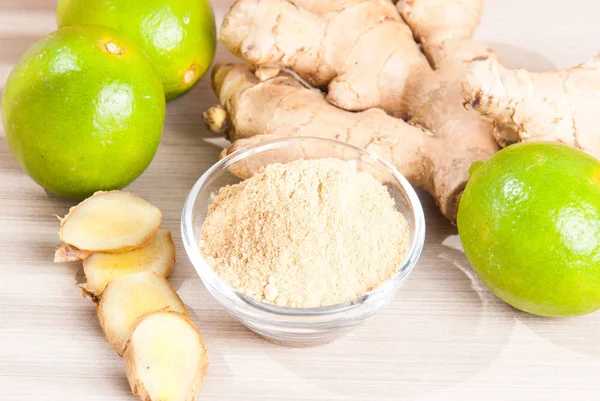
(553, 106)
(157, 256)
(346, 46)
(127, 298)
(165, 358)
(365, 54)
(114, 221)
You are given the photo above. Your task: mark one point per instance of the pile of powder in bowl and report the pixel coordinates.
(305, 234)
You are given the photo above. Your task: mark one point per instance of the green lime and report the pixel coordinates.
(177, 35)
(83, 111)
(529, 222)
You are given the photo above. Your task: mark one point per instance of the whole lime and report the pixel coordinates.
(177, 35)
(529, 222)
(83, 111)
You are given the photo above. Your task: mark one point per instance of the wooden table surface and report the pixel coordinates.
(445, 337)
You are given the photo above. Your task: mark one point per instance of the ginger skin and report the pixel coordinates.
(435, 145)
(552, 106)
(69, 253)
(442, 27)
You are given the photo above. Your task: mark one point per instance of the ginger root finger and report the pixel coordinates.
(439, 25)
(126, 298)
(325, 43)
(551, 106)
(165, 358)
(215, 119)
(436, 162)
(113, 221)
(157, 256)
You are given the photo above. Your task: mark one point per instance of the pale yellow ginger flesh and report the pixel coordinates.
(157, 256)
(114, 221)
(126, 298)
(165, 358)
(552, 106)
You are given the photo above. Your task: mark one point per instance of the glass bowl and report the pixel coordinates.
(298, 326)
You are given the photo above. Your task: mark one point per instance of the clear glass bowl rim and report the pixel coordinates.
(257, 308)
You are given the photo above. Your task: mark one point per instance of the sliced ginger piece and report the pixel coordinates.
(158, 256)
(165, 358)
(126, 298)
(114, 221)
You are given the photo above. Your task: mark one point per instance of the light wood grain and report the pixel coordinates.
(443, 338)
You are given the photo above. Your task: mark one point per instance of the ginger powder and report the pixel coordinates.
(308, 233)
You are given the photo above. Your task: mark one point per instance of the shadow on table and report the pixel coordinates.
(519, 57)
(579, 334)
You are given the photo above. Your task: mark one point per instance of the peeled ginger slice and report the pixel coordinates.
(114, 221)
(165, 358)
(158, 256)
(126, 298)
